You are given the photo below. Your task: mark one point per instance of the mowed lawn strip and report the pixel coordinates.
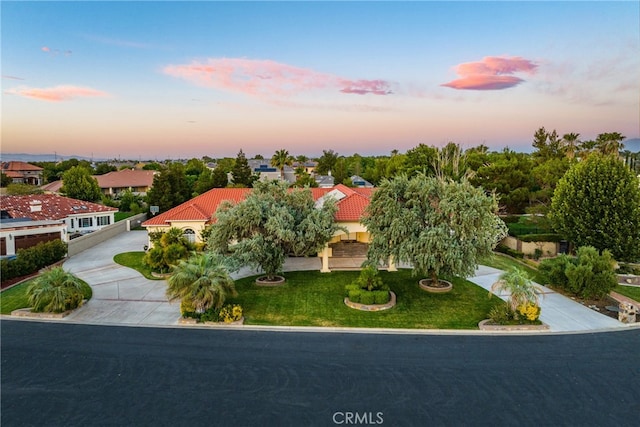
(134, 260)
(311, 298)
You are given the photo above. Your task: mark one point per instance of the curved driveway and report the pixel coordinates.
(123, 296)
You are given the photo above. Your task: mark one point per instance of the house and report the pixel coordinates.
(22, 173)
(113, 183)
(22, 233)
(135, 180)
(194, 215)
(79, 217)
(359, 181)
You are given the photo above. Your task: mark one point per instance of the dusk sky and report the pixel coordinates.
(156, 80)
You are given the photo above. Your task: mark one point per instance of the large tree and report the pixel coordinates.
(170, 187)
(440, 227)
(241, 175)
(271, 223)
(326, 162)
(79, 184)
(597, 203)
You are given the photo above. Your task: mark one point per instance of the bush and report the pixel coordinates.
(32, 259)
(354, 295)
(367, 298)
(55, 291)
(508, 251)
(501, 314)
(381, 297)
(588, 275)
(230, 313)
(547, 237)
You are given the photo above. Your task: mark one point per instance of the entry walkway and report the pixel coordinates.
(123, 296)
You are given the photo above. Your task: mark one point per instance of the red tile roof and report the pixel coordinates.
(53, 207)
(204, 206)
(19, 166)
(126, 178)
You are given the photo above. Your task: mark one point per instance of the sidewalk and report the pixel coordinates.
(122, 296)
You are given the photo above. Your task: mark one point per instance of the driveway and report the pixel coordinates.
(121, 295)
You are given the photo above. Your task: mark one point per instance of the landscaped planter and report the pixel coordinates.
(371, 307)
(161, 275)
(486, 325)
(192, 321)
(443, 286)
(26, 312)
(276, 281)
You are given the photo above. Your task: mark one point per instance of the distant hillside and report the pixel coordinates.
(26, 157)
(632, 145)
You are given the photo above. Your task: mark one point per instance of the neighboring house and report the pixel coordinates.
(194, 215)
(113, 183)
(325, 181)
(135, 180)
(79, 217)
(22, 173)
(358, 181)
(22, 233)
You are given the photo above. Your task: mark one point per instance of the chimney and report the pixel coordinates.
(35, 206)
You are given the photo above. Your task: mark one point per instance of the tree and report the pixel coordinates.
(271, 223)
(168, 249)
(55, 291)
(170, 187)
(5, 180)
(280, 159)
(241, 175)
(597, 203)
(104, 167)
(326, 162)
(202, 281)
(219, 178)
(79, 184)
(440, 227)
(547, 145)
(610, 142)
(570, 144)
(420, 159)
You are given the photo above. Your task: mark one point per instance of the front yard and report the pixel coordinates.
(16, 297)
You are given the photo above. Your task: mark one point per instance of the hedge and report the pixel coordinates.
(32, 259)
(548, 237)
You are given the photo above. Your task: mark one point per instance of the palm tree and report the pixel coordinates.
(571, 142)
(55, 291)
(521, 289)
(610, 142)
(280, 159)
(203, 280)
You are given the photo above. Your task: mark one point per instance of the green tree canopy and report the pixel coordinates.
(79, 184)
(241, 175)
(170, 187)
(440, 227)
(55, 291)
(597, 203)
(326, 162)
(271, 223)
(280, 159)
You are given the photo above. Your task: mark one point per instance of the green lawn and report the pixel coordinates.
(505, 262)
(311, 298)
(134, 260)
(16, 297)
(119, 216)
(632, 292)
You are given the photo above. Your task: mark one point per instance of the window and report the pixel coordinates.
(190, 235)
(103, 220)
(85, 222)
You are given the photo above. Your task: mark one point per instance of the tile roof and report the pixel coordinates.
(53, 207)
(19, 166)
(204, 206)
(126, 178)
(52, 187)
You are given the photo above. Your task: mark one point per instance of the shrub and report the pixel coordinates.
(381, 297)
(32, 259)
(546, 237)
(508, 251)
(370, 280)
(367, 298)
(501, 314)
(354, 295)
(55, 291)
(230, 313)
(529, 311)
(553, 270)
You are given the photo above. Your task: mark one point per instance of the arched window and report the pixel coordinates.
(190, 235)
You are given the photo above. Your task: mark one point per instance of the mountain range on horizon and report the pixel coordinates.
(632, 145)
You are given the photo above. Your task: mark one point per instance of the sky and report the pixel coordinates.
(158, 80)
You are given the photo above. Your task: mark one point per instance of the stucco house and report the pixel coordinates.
(78, 216)
(194, 215)
(112, 183)
(22, 173)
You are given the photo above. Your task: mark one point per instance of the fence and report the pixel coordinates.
(87, 241)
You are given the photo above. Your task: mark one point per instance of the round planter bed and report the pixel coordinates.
(161, 275)
(276, 281)
(486, 325)
(371, 307)
(442, 287)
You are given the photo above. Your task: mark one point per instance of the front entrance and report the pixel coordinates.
(347, 255)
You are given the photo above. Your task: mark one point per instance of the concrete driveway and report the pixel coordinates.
(121, 295)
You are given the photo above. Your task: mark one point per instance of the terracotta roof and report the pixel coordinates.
(19, 166)
(53, 207)
(126, 178)
(204, 206)
(52, 187)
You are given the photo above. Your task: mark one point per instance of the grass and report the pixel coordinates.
(16, 296)
(134, 260)
(504, 262)
(119, 216)
(632, 292)
(311, 298)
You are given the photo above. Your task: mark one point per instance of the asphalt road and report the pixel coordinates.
(56, 374)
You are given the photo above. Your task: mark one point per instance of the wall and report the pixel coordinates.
(87, 241)
(529, 248)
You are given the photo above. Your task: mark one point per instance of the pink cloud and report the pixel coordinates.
(5, 76)
(55, 52)
(266, 78)
(45, 49)
(57, 93)
(491, 73)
